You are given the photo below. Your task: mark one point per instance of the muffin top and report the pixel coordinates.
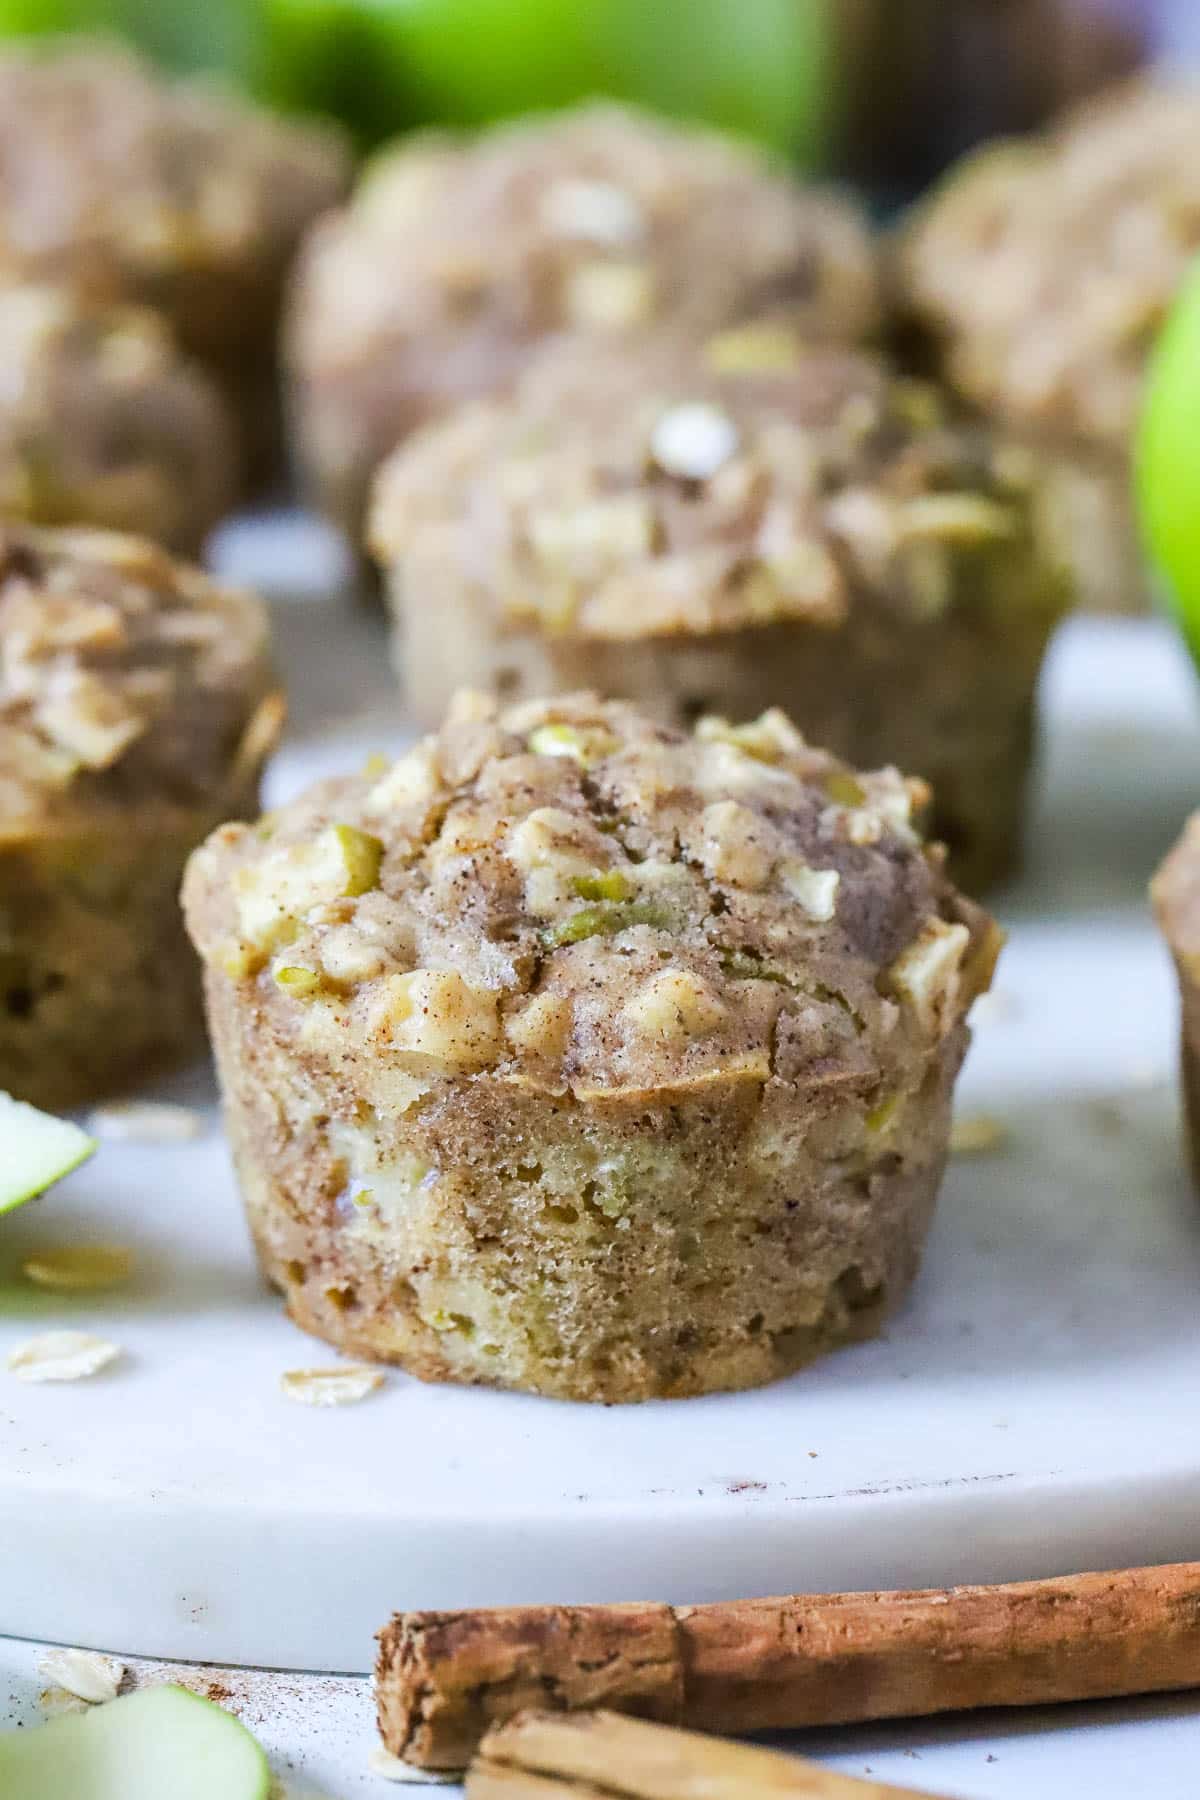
(669, 491)
(569, 898)
(112, 175)
(1046, 266)
(104, 420)
(125, 678)
(466, 253)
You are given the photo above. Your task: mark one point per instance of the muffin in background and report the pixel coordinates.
(1036, 278)
(720, 531)
(459, 259)
(171, 195)
(137, 706)
(1175, 892)
(575, 1054)
(104, 422)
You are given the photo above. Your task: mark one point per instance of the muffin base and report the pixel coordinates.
(1088, 506)
(99, 987)
(1175, 894)
(617, 1247)
(1189, 1047)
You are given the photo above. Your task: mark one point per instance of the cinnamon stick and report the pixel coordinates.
(602, 1756)
(443, 1678)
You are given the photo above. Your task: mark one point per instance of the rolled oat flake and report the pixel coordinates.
(693, 441)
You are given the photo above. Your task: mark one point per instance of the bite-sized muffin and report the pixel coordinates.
(1176, 895)
(136, 710)
(576, 1054)
(103, 421)
(171, 195)
(723, 531)
(1038, 275)
(458, 260)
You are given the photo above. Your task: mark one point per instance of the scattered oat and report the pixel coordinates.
(693, 441)
(381, 1762)
(61, 1356)
(146, 1122)
(597, 211)
(55, 1701)
(84, 1673)
(976, 1134)
(77, 1268)
(341, 1384)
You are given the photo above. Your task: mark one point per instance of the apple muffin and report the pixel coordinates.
(578, 1054)
(1037, 277)
(171, 195)
(1175, 892)
(459, 260)
(136, 709)
(725, 529)
(104, 422)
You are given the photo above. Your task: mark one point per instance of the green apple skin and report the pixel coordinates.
(309, 56)
(36, 1150)
(158, 1743)
(762, 68)
(216, 35)
(208, 35)
(33, 18)
(765, 69)
(1168, 460)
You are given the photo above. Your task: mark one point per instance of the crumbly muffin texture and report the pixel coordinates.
(752, 522)
(113, 177)
(104, 422)
(1043, 269)
(458, 260)
(136, 709)
(124, 675)
(172, 195)
(577, 1054)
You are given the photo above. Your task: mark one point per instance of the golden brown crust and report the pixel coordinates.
(576, 1054)
(145, 190)
(671, 493)
(125, 677)
(172, 195)
(458, 261)
(136, 709)
(1042, 268)
(757, 522)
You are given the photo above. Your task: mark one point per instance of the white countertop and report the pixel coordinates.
(1031, 1410)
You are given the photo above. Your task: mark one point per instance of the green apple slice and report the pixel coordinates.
(36, 1150)
(145, 1746)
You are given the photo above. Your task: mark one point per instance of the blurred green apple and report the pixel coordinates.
(217, 35)
(767, 69)
(307, 56)
(28, 18)
(764, 68)
(1168, 459)
(214, 35)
